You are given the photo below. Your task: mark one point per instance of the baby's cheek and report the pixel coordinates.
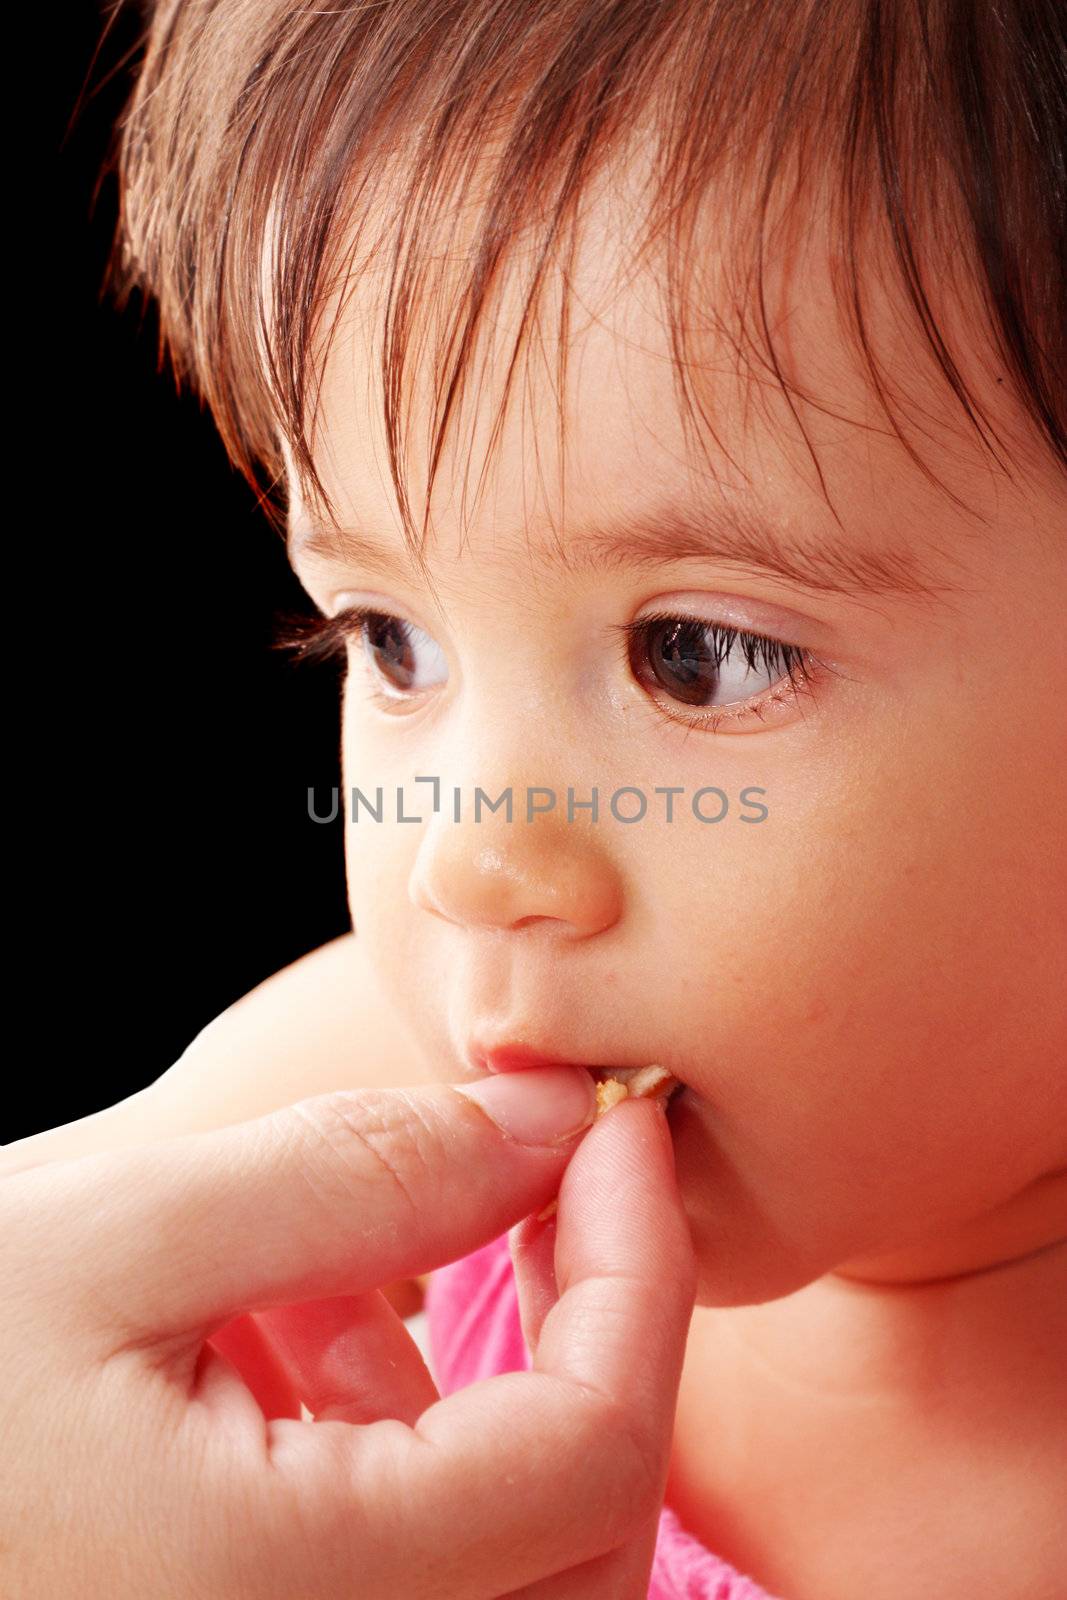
(858, 1036)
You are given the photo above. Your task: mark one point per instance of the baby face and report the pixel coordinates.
(844, 929)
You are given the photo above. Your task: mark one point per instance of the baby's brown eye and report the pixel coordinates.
(401, 654)
(704, 664)
(678, 654)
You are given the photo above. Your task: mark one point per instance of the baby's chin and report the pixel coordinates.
(739, 1261)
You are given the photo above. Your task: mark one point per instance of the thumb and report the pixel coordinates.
(334, 1195)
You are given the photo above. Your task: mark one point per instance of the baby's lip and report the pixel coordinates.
(513, 1055)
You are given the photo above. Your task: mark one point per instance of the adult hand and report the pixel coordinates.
(136, 1460)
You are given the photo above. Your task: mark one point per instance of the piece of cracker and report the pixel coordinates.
(642, 1083)
(624, 1083)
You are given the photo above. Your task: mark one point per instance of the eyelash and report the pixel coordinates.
(794, 666)
(325, 639)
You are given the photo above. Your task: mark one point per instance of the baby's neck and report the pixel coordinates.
(853, 1436)
(978, 1337)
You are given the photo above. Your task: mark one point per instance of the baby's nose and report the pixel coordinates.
(492, 873)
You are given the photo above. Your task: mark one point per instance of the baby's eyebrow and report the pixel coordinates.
(673, 532)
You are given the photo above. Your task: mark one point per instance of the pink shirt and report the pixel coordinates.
(472, 1315)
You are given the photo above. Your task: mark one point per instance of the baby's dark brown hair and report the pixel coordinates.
(930, 134)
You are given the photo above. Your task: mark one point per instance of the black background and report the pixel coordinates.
(166, 750)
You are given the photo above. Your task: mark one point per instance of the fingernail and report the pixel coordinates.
(542, 1105)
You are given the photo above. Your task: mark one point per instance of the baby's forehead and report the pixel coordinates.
(770, 394)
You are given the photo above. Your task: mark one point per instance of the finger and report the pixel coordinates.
(334, 1195)
(406, 1296)
(622, 1574)
(351, 1359)
(248, 1348)
(220, 1384)
(533, 1249)
(532, 1473)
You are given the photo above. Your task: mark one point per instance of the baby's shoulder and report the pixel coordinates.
(322, 1023)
